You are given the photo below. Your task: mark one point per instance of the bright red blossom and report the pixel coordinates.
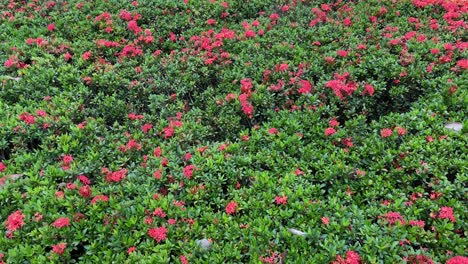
(59, 248)
(446, 213)
(99, 197)
(231, 208)
(61, 222)
(386, 132)
(85, 191)
(394, 217)
(351, 258)
(83, 179)
(131, 249)
(457, 260)
(27, 118)
(15, 221)
(188, 171)
(158, 234)
(325, 220)
(330, 131)
(183, 259)
(159, 212)
(51, 27)
(281, 199)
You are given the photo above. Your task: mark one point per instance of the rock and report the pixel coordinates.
(296, 232)
(455, 126)
(203, 243)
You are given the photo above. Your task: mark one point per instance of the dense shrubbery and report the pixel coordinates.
(233, 132)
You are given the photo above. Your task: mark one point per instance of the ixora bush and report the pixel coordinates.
(229, 131)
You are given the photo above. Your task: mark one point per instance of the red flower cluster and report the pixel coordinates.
(281, 199)
(116, 176)
(158, 234)
(457, 260)
(386, 132)
(99, 197)
(446, 213)
(14, 221)
(188, 171)
(351, 258)
(394, 217)
(340, 86)
(59, 248)
(61, 222)
(27, 118)
(159, 212)
(231, 208)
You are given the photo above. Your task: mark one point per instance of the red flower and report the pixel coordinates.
(157, 174)
(330, 131)
(59, 194)
(211, 21)
(249, 34)
(99, 197)
(27, 118)
(2, 167)
(281, 199)
(67, 159)
(394, 217)
(133, 26)
(351, 258)
(168, 132)
(116, 176)
(386, 132)
(325, 220)
(446, 213)
(146, 128)
(401, 131)
(15, 221)
(306, 87)
(83, 179)
(157, 152)
(37, 217)
(457, 260)
(333, 122)
(231, 208)
(247, 108)
(342, 53)
(131, 249)
(85, 191)
(347, 22)
(368, 89)
(159, 213)
(59, 248)
(183, 259)
(158, 234)
(272, 131)
(188, 171)
(61, 222)
(419, 223)
(71, 186)
(86, 55)
(51, 27)
(298, 172)
(463, 63)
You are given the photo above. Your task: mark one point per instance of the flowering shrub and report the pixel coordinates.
(233, 131)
